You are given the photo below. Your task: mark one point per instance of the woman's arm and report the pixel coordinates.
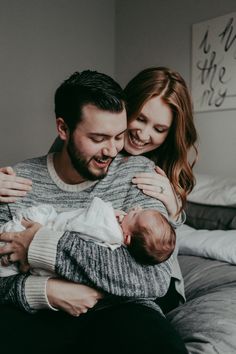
(11, 186)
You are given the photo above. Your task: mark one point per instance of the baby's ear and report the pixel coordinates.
(127, 239)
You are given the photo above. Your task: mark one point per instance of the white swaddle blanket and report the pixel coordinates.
(96, 223)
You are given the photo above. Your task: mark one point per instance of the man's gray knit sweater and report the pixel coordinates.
(114, 272)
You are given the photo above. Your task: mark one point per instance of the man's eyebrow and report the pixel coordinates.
(106, 135)
(99, 134)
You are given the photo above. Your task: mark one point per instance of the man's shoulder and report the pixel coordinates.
(26, 167)
(136, 163)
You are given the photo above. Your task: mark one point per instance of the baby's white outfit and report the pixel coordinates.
(96, 223)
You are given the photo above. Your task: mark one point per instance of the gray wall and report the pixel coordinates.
(152, 32)
(41, 43)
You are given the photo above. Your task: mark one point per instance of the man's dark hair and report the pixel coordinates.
(87, 87)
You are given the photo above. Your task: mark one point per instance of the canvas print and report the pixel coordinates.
(214, 64)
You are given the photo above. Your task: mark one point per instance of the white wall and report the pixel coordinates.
(41, 43)
(158, 32)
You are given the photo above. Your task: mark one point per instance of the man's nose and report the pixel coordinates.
(111, 149)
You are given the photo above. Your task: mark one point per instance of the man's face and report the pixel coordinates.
(96, 141)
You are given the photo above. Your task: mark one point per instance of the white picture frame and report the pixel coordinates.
(213, 80)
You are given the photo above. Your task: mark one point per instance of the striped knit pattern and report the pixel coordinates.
(114, 272)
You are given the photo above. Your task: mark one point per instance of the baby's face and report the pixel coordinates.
(137, 217)
(134, 216)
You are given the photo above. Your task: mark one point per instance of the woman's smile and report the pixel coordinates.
(134, 140)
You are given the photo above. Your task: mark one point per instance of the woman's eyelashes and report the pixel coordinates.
(157, 129)
(160, 130)
(140, 119)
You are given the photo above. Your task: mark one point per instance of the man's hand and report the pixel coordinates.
(70, 297)
(17, 244)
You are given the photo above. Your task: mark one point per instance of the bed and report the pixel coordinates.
(207, 256)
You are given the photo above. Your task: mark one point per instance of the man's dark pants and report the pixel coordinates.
(123, 329)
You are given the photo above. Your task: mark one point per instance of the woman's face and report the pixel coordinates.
(150, 129)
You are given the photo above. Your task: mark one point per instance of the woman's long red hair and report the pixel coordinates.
(172, 155)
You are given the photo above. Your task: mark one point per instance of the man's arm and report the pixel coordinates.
(12, 292)
(12, 288)
(74, 259)
(115, 272)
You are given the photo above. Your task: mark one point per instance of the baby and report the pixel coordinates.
(146, 233)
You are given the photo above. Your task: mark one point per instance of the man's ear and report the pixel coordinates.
(127, 239)
(62, 129)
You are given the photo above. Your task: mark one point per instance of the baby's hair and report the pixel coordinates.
(153, 243)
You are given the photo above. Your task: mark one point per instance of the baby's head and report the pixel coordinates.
(148, 235)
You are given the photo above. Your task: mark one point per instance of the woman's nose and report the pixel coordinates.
(143, 134)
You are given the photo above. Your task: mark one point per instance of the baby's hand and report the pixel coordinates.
(120, 214)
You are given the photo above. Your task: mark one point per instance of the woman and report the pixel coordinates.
(160, 126)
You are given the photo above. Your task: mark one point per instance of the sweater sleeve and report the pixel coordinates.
(22, 290)
(12, 292)
(114, 272)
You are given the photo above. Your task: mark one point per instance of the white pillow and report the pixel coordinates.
(214, 244)
(213, 190)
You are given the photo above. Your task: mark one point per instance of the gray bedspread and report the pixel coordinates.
(207, 321)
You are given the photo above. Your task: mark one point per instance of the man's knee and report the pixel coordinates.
(134, 329)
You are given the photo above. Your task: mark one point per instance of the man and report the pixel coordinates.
(91, 120)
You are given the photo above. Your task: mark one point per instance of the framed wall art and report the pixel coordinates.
(214, 64)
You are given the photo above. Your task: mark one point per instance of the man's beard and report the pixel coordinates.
(80, 164)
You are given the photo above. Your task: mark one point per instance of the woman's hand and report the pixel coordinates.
(157, 185)
(11, 186)
(70, 297)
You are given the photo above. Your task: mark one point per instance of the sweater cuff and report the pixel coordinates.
(36, 293)
(43, 249)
